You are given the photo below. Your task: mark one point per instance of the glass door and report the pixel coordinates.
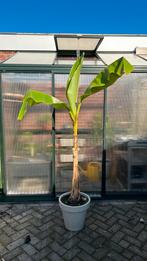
(27, 143)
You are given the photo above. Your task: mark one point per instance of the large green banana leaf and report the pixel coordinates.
(72, 85)
(33, 97)
(108, 76)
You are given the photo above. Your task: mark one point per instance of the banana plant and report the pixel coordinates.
(104, 79)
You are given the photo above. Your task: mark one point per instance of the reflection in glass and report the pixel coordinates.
(27, 143)
(127, 134)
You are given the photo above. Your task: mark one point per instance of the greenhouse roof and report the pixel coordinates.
(63, 48)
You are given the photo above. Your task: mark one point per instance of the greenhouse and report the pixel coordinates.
(36, 153)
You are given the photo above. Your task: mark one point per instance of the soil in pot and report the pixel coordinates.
(67, 201)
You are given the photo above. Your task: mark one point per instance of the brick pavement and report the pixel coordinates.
(115, 230)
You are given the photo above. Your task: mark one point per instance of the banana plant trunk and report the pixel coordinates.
(75, 191)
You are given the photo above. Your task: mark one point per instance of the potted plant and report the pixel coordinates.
(74, 204)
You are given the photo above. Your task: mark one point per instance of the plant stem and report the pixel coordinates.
(75, 192)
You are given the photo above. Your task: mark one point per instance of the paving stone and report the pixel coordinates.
(104, 233)
(43, 243)
(139, 227)
(129, 232)
(137, 258)
(93, 226)
(124, 224)
(115, 256)
(102, 225)
(55, 257)
(24, 257)
(100, 253)
(17, 217)
(10, 255)
(4, 239)
(33, 229)
(124, 243)
(22, 226)
(109, 214)
(133, 241)
(29, 249)
(127, 254)
(112, 220)
(86, 247)
(44, 234)
(43, 253)
(99, 242)
(93, 236)
(47, 225)
(130, 213)
(71, 253)
(116, 247)
(112, 232)
(19, 234)
(90, 220)
(15, 244)
(115, 228)
(71, 243)
(106, 259)
(57, 248)
(2, 224)
(3, 250)
(117, 236)
(24, 219)
(56, 237)
(138, 251)
(99, 217)
(8, 230)
(122, 217)
(145, 246)
(143, 236)
(86, 237)
(67, 235)
(86, 257)
(76, 259)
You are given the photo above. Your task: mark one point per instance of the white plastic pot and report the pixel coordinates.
(74, 216)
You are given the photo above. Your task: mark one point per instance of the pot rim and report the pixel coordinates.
(66, 193)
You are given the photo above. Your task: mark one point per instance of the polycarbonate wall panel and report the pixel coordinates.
(127, 134)
(90, 139)
(28, 146)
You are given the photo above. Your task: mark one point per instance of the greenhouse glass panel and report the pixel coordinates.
(144, 56)
(24, 42)
(127, 134)
(109, 58)
(77, 43)
(121, 43)
(28, 143)
(70, 60)
(90, 139)
(32, 58)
